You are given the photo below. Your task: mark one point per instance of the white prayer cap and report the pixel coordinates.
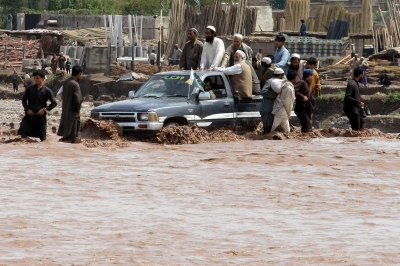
(61, 53)
(211, 28)
(242, 54)
(361, 57)
(278, 71)
(295, 56)
(266, 60)
(355, 54)
(240, 36)
(276, 84)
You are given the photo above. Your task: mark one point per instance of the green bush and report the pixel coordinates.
(335, 97)
(378, 95)
(392, 97)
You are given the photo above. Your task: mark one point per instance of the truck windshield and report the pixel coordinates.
(165, 86)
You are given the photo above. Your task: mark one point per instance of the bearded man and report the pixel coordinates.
(213, 50)
(240, 75)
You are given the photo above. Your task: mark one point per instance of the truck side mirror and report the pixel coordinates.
(131, 94)
(204, 95)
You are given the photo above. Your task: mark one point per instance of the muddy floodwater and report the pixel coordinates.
(332, 201)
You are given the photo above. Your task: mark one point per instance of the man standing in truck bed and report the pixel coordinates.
(191, 53)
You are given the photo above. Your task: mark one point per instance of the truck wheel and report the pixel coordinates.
(171, 124)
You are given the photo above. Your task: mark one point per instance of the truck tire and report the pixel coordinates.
(171, 124)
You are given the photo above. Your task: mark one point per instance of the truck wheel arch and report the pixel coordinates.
(180, 121)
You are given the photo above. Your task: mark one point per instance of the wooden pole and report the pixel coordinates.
(108, 61)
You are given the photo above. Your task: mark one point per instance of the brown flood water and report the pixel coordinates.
(329, 201)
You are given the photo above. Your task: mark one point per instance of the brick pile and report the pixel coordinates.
(15, 47)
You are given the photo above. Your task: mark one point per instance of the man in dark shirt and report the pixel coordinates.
(303, 28)
(68, 66)
(34, 101)
(352, 101)
(191, 53)
(71, 108)
(15, 80)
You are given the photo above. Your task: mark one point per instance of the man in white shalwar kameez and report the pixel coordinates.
(284, 101)
(213, 50)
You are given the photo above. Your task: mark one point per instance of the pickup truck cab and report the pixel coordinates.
(167, 99)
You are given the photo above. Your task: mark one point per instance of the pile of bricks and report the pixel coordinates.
(12, 49)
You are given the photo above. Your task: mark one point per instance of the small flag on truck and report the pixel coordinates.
(195, 81)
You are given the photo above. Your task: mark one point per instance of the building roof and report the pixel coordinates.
(32, 31)
(388, 54)
(88, 34)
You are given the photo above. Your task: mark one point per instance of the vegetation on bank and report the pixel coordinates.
(392, 97)
(89, 7)
(331, 97)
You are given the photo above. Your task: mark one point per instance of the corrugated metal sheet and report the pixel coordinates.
(312, 46)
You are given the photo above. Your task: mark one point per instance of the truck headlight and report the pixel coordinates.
(143, 117)
(151, 117)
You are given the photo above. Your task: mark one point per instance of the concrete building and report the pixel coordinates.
(150, 26)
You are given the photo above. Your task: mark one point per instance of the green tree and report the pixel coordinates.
(278, 4)
(202, 2)
(54, 5)
(65, 4)
(33, 4)
(144, 7)
(10, 7)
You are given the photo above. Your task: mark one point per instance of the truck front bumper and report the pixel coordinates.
(141, 129)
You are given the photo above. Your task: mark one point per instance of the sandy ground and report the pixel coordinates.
(319, 201)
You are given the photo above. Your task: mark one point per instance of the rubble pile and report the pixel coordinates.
(15, 49)
(117, 71)
(101, 130)
(330, 132)
(142, 69)
(176, 135)
(101, 134)
(151, 70)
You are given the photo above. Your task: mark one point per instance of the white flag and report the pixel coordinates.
(191, 77)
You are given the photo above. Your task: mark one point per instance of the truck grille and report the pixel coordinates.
(124, 119)
(120, 117)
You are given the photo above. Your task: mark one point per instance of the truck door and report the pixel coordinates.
(218, 111)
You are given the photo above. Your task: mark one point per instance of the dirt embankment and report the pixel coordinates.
(105, 134)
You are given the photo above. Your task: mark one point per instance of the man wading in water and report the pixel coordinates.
(71, 108)
(34, 101)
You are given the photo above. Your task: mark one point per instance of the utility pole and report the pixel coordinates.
(161, 35)
(159, 40)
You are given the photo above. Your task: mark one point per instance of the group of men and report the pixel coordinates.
(249, 75)
(35, 102)
(61, 62)
(280, 79)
